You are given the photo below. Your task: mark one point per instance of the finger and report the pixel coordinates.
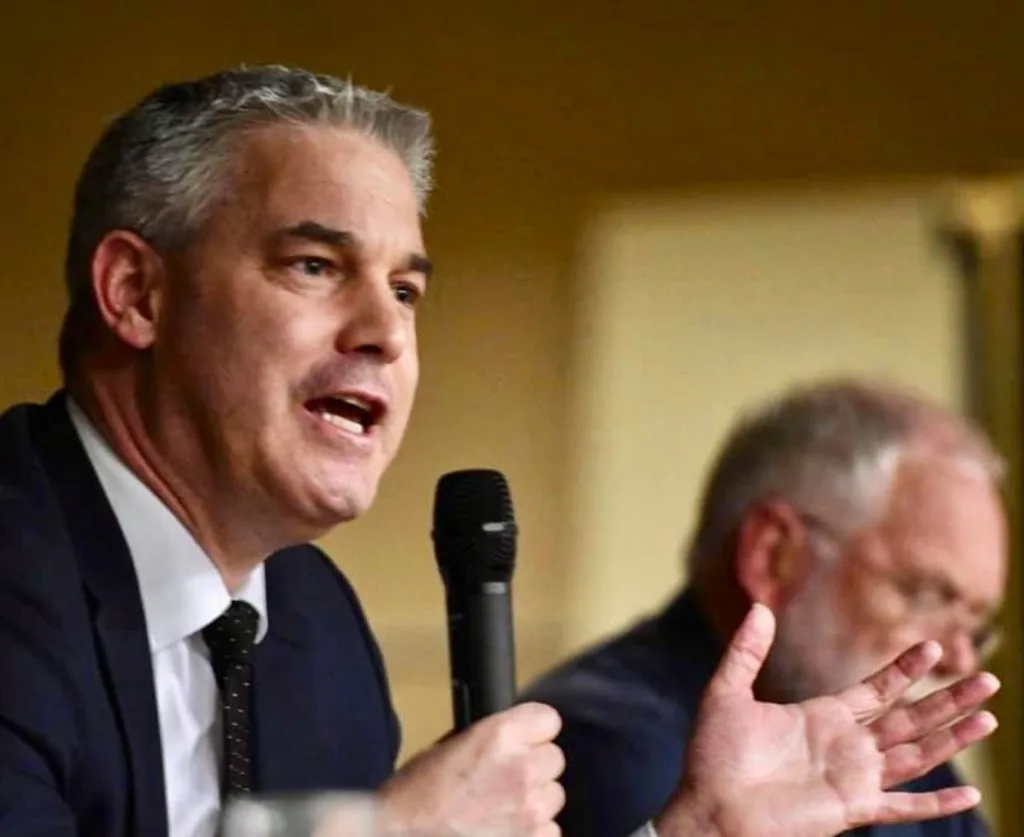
(546, 802)
(526, 723)
(746, 653)
(549, 829)
(867, 699)
(908, 761)
(913, 807)
(908, 723)
(547, 763)
(447, 736)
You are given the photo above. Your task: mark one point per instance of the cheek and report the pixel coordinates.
(857, 628)
(271, 338)
(881, 640)
(405, 376)
(411, 377)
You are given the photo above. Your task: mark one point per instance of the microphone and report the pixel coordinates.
(474, 538)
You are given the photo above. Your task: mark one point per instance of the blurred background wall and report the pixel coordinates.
(647, 216)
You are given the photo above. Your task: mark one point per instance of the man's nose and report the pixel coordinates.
(959, 657)
(374, 321)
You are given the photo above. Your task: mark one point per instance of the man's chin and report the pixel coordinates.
(311, 511)
(346, 501)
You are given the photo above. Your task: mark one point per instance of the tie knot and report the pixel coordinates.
(231, 636)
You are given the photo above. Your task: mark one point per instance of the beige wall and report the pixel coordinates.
(692, 308)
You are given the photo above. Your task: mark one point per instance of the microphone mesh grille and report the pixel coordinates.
(474, 525)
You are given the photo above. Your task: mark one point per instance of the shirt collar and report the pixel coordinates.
(182, 591)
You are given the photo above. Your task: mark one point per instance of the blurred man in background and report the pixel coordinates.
(867, 519)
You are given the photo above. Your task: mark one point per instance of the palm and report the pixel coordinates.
(774, 757)
(819, 767)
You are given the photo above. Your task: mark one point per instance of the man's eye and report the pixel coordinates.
(407, 294)
(314, 266)
(925, 595)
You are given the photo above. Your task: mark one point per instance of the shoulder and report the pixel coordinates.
(313, 579)
(630, 683)
(22, 476)
(304, 580)
(624, 730)
(43, 612)
(36, 557)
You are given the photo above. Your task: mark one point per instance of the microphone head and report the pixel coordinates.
(474, 527)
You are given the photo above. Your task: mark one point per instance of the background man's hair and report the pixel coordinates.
(829, 449)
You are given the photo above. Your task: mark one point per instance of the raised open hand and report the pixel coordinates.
(817, 768)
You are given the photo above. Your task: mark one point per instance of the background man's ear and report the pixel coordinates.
(771, 554)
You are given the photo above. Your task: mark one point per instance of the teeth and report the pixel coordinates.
(342, 422)
(356, 402)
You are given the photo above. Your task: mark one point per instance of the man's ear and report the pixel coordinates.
(128, 278)
(771, 554)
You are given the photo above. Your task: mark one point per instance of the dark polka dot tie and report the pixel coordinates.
(230, 639)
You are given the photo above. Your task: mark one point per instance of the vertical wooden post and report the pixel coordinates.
(984, 224)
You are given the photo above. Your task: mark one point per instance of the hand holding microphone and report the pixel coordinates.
(499, 778)
(499, 774)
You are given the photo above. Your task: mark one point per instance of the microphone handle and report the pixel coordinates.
(482, 651)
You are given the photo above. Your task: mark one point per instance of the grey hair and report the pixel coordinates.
(830, 450)
(158, 168)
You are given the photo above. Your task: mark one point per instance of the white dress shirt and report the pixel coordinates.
(182, 592)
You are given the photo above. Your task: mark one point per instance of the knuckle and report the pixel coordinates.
(543, 765)
(554, 758)
(545, 720)
(549, 829)
(504, 733)
(540, 808)
(557, 798)
(519, 777)
(543, 714)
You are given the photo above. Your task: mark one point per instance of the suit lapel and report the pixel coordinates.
(290, 748)
(110, 580)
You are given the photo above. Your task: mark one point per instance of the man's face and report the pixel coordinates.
(285, 364)
(934, 568)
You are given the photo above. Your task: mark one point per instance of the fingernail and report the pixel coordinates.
(988, 721)
(990, 681)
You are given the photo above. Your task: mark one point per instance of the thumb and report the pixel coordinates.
(746, 653)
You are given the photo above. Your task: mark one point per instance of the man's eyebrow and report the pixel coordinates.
(314, 231)
(418, 263)
(947, 583)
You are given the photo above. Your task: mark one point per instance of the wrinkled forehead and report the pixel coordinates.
(948, 519)
(282, 175)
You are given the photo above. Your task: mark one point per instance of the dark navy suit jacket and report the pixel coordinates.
(79, 737)
(628, 707)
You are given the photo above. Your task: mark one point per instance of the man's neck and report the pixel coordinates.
(721, 602)
(724, 605)
(124, 432)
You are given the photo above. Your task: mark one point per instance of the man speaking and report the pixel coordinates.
(239, 357)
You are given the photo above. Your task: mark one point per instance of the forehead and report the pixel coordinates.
(944, 519)
(285, 174)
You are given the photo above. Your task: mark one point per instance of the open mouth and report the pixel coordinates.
(355, 414)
